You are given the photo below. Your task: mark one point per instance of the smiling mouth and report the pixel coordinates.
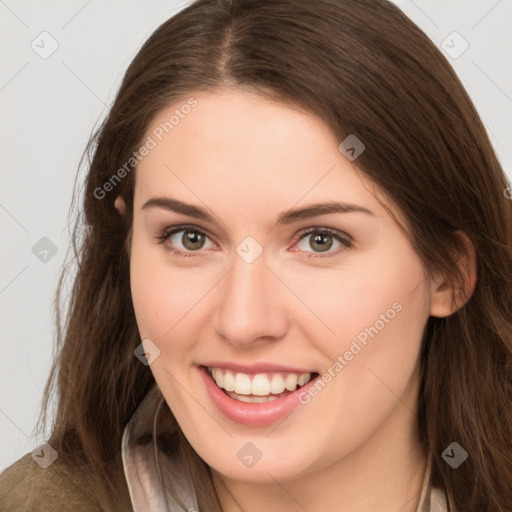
(259, 387)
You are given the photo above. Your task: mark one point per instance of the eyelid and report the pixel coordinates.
(345, 240)
(164, 234)
(323, 229)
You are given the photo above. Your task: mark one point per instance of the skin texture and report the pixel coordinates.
(245, 159)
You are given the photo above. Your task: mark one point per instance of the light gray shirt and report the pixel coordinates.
(143, 465)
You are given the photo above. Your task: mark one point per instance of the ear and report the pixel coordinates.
(120, 205)
(445, 299)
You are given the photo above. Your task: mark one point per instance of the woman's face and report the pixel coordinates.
(269, 285)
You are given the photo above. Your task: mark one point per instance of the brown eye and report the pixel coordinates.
(320, 242)
(323, 240)
(193, 240)
(185, 240)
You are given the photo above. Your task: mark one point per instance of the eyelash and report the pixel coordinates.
(344, 239)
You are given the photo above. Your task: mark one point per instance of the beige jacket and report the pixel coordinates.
(25, 486)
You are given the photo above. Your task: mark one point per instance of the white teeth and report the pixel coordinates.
(259, 385)
(303, 378)
(242, 384)
(229, 382)
(253, 399)
(217, 376)
(290, 382)
(276, 384)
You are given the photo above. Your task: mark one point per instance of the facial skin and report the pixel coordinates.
(245, 159)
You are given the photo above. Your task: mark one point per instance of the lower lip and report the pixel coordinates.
(252, 414)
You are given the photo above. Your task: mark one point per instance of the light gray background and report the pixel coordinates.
(50, 107)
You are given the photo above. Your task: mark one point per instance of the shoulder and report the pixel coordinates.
(25, 486)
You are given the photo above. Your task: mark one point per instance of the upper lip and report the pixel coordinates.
(261, 367)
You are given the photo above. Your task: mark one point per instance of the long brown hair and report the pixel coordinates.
(364, 68)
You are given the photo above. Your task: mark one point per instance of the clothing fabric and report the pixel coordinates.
(141, 469)
(26, 487)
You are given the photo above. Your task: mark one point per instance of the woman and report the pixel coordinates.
(295, 278)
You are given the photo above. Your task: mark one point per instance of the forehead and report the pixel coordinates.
(243, 146)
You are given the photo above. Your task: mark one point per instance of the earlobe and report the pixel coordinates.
(120, 205)
(446, 299)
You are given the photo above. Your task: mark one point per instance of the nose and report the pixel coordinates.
(251, 308)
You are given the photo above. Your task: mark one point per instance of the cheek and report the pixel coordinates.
(379, 320)
(154, 292)
(370, 296)
(149, 300)
(376, 314)
(167, 299)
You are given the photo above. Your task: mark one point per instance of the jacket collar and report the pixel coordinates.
(144, 463)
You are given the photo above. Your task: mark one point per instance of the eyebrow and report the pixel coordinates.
(284, 218)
